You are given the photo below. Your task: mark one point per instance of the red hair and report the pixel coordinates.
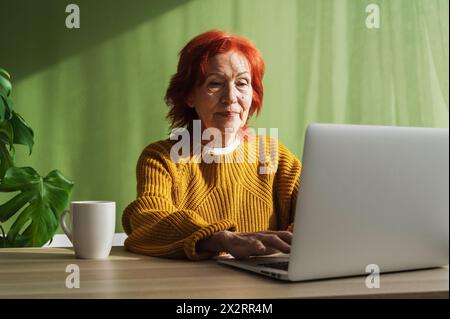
(191, 70)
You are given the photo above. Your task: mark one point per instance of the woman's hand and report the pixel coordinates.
(244, 245)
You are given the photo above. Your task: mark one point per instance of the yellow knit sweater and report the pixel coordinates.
(179, 204)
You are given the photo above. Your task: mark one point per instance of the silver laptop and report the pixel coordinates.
(369, 195)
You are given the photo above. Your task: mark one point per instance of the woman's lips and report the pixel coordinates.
(228, 114)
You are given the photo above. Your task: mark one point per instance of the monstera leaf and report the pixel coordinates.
(13, 128)
(23, 134)
(6, 139)
(6, 106)
(5, 82)
(5, 91)
(42, 200)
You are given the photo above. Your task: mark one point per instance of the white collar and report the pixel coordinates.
(223, 150)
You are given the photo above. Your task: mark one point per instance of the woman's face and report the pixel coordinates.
(224, 99)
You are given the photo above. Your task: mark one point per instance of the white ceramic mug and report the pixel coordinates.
(93, 226)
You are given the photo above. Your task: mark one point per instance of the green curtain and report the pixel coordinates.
(94, 95)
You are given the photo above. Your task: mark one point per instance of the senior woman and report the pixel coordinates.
(234, 204)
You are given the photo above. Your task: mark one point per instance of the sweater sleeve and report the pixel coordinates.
(287, 182)
(154, 224)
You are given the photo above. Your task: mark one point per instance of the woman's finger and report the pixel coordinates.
(274, 241)
(243, 247)
(285, 235)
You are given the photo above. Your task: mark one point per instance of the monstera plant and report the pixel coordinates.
(40, 200)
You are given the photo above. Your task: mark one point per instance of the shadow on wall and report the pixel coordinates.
(22, 20)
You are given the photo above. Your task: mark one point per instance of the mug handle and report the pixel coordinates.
(63, 224)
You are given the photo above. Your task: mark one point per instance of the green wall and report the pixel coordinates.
(94, 95)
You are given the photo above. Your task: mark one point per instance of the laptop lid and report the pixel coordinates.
(371, 195)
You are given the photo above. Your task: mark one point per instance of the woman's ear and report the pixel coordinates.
(189, 101)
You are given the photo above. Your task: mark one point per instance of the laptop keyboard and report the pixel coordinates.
(277, 265)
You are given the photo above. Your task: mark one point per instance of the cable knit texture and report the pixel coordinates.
(182, 201)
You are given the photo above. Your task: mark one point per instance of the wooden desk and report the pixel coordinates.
(41, 273)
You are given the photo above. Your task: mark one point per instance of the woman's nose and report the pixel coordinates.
(230, 95)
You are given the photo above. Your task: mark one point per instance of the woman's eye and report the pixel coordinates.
(215, 84)
(242, 84)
